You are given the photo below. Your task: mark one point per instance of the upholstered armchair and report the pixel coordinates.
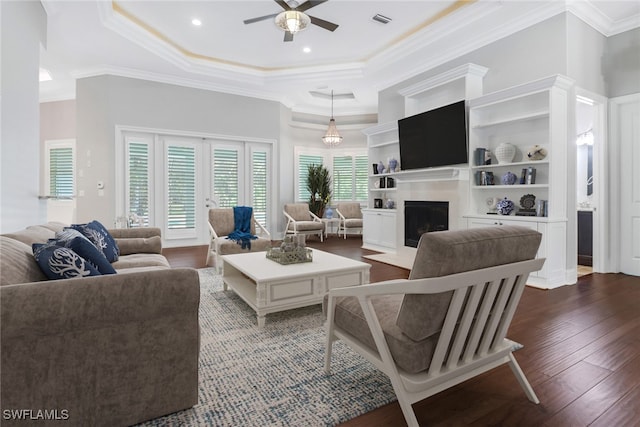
(447, 322)
(300, 220)
(350, 217)
(221, 224)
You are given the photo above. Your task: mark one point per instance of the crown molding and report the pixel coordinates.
(444, 78)
(178, 81)
(590, 14)
(492, 34)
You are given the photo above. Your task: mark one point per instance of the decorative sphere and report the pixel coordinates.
(505, 206)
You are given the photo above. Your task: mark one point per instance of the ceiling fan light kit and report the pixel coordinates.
(292, 21)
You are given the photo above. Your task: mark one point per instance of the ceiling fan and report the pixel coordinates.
(293, 19)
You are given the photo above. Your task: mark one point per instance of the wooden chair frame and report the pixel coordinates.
(211, 252)
(342, 226)
(295, 230)
(472, 340)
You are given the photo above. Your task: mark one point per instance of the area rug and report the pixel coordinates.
(273, 376)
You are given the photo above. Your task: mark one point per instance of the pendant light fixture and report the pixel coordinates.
(332, 137)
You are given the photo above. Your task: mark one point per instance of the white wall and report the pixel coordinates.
(24, 28)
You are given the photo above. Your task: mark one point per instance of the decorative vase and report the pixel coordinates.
(505, 152)
(509, 178)
(393, 164)
(329, 213)
(380, 167)
(505, 206)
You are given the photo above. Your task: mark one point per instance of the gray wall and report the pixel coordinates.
(106, 101)
(23, 29)
(621, 63)
(530, 54)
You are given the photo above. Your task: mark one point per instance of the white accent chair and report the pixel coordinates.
(447, 322)
(221, 224)
(350, 217)
(300, 220)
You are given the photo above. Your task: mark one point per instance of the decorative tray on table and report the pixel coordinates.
(295, 256)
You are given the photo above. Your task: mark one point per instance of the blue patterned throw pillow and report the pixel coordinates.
(87, 250)
(99, 236)
(58, 262)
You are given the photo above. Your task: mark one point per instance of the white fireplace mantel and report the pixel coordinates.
(432, 174)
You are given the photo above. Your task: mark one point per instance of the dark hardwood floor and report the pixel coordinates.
(581, 355)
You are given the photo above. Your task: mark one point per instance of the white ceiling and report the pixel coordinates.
(155, 40)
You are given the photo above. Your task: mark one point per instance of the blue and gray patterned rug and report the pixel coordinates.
(273, 376)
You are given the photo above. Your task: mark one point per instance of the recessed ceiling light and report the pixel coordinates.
(196, 22)
(306, 49)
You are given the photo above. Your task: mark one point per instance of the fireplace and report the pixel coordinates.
(422, 217)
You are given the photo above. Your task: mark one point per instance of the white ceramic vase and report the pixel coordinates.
(505, 152)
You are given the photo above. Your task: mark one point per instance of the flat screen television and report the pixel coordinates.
(434, 138)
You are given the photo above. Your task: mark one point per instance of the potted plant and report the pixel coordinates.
(319, 186)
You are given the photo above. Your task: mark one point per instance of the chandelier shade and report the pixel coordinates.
(332, 137)
(292, 21)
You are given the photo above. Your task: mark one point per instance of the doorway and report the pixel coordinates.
(590, 189)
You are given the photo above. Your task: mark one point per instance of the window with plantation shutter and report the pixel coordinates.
(362, 178)
(304, 161)
(259, 185)
(181, 187)
(342, 179)
(138, 187)
(225, 177)
(61, 171)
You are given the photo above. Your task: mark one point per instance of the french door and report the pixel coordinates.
(171, 181)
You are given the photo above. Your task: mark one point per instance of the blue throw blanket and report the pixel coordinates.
(242, 226)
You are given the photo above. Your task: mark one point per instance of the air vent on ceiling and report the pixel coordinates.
(381, 18)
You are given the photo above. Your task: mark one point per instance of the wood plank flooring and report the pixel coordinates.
(581, 355)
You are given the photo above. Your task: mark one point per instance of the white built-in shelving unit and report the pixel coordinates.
(536, 113)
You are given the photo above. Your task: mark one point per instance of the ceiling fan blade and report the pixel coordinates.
(309, 4)
(260, 18)
(288, 36)
(324, 24)
(283, 4)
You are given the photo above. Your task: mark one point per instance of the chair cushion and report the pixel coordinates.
(353, 223)
(307, 226)
(224, 246)
(350, 210)
(140, 260)
(411, 356)
(222, 221)
(298, 211)
(449, 252)
(17, 264)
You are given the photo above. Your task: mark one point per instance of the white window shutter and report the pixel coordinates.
(181, 187)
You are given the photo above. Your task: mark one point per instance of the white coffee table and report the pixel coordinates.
(269, 287)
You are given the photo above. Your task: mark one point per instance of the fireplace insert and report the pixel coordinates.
(423, 217)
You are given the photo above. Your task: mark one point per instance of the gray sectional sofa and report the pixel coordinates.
(109, 350)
